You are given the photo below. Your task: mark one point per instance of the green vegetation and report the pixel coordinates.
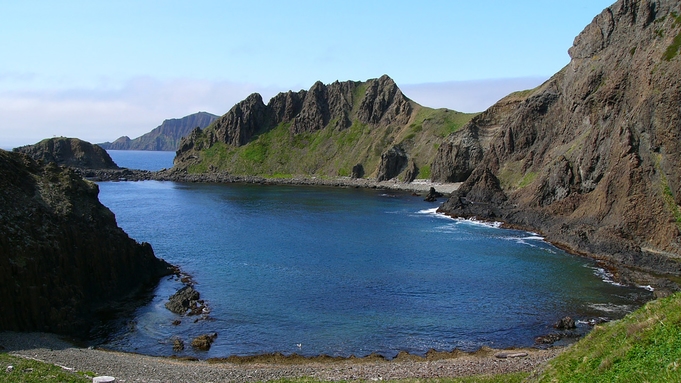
(443, 121)
(645, 346)
(29, 371)
(673, 48)
(511, 176)
(332, 152)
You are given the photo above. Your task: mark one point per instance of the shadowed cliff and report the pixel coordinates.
(62, 255)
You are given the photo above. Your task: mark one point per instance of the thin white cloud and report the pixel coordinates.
(99, 115)
(468, 96)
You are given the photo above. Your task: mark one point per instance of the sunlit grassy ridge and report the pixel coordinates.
(330, 152)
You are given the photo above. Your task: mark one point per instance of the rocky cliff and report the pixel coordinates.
(62, 255)
(326, 130)
(591, 158)
(70, 152)
(166, 136)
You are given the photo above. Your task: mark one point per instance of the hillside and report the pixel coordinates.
(327, 131)
(62, 255)
(592, 157)
(165, 136)
(71, 152)
(643, 347)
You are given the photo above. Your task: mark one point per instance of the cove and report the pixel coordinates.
(316, 270)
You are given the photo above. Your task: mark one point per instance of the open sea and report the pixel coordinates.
(317, 270)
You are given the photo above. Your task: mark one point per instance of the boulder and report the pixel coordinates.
(392, 163)
(565, 323)
(203, 342)
(357, 171)
(432, 195)
(185, 299)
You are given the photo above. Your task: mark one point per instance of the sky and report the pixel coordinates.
(98, 70)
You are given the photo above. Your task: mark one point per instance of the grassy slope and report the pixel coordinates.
(645, 346)
(329, 152)
(25, 370)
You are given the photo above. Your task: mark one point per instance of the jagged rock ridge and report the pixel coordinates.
(62, 255)
(165, 137)
(70, 152)
(592, 157)
(325, 130)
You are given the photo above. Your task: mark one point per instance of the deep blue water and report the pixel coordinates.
(346, 272)
(142, 159)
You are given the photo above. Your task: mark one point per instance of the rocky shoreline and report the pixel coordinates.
(127, 367)
(416, 186)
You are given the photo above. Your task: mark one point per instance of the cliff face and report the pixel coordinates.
(62, 255)
(591, 158)
(325, 130)
(166, 136)
(70, 152)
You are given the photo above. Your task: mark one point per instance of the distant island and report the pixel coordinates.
(165, 137)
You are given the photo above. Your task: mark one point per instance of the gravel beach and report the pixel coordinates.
(127, 367)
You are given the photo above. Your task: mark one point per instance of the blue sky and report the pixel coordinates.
(98, 70)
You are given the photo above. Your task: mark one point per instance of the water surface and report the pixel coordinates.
(346, 272)
(142, 159)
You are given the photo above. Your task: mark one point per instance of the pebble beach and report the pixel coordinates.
(127, 367)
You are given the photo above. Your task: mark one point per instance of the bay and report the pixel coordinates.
(315, 270)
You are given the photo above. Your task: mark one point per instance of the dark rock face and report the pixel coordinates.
(411, 172)
(392, 163)
(566, 323)
(166, 136)
(62, 255)
(432, 195)
(357, 171)
(70, 152)
(185, 301)
(337, 105)
(591, 158)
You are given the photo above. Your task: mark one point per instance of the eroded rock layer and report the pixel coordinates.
(591, 158)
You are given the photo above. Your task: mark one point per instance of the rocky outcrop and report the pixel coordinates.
(70, 152)
(412, 171)
(62, 255)
(357, 171)
(186, 301)
(166, 136)
(591, 158)
(376, 103)
(462, 151)
(392, 163)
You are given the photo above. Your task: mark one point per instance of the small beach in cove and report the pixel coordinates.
(127, 367)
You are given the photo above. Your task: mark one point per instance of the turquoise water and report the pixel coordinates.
(347, 272)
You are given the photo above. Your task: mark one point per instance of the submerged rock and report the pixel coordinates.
(203, 342)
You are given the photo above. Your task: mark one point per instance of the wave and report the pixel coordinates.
(605, 275)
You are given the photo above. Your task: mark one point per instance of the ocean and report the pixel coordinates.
(335, 271)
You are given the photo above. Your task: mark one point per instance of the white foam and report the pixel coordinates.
(611, 308)
(605, 275)
(647, 287)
